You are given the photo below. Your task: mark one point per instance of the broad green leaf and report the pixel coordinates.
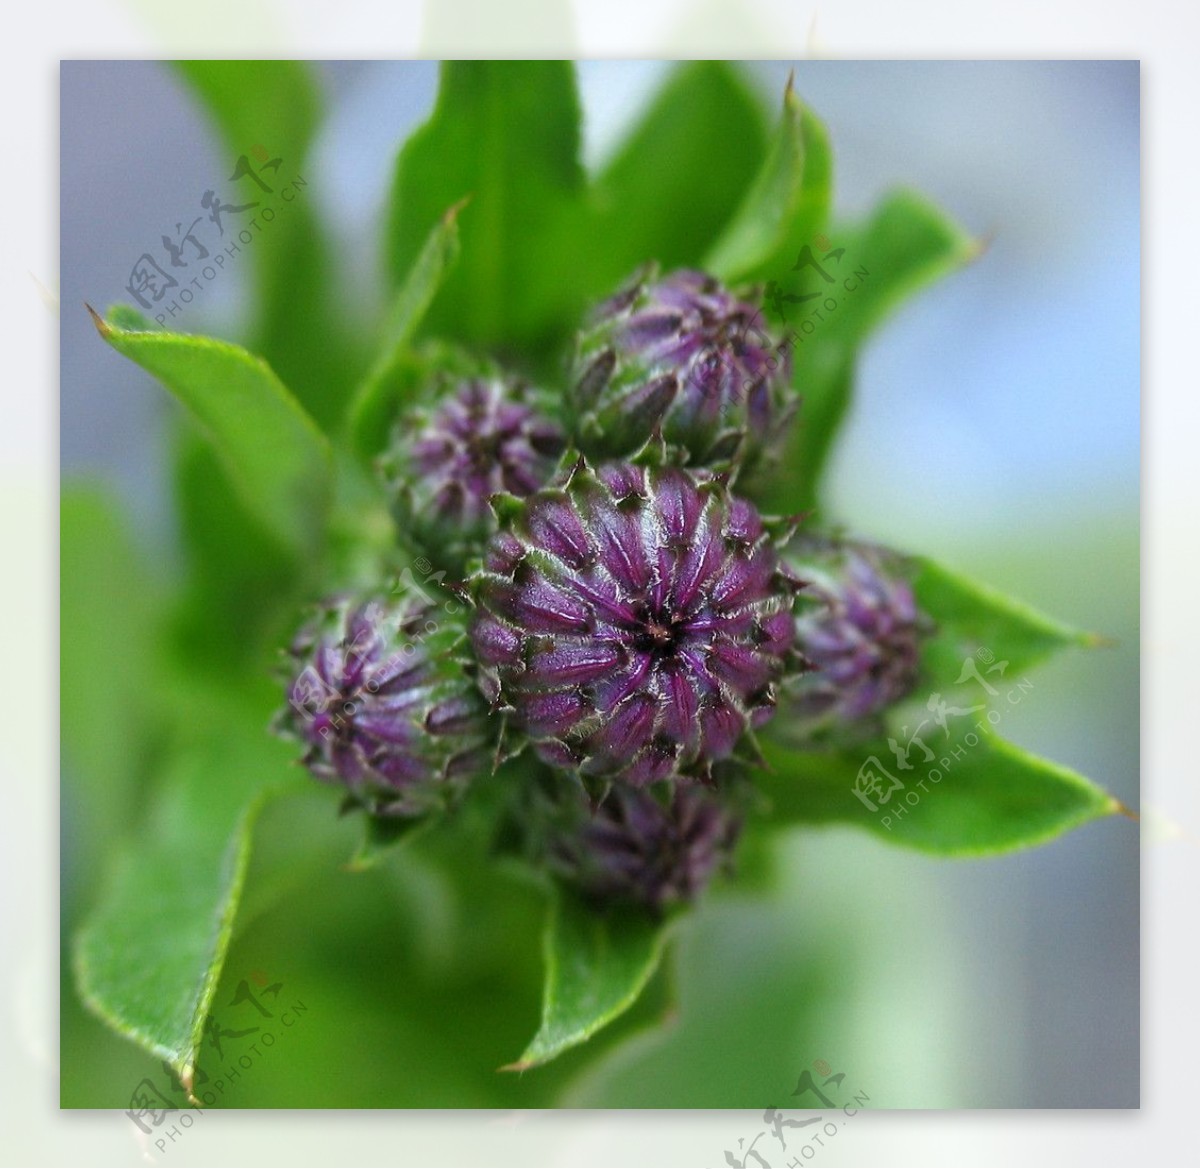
(861, 273)
(787, 205)
(376, 401)
(506, 135)
(270, 447)
(679, 177)
(977, 796)
(975, 620)
(149, 956)
(597, 963)
(268, 110)
(109, 613)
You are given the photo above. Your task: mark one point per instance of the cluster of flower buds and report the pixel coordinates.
(633, 620)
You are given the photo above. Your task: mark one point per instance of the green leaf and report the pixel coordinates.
(276, 107)
(239, 579)
(270, 447)
(276, 103)
(376, 401)
(381, 836)
(149, 956)
(979, 795)
(786, 207)
(679, 177)
(824, 378)
(866, 272)
(597, 963)
(906, 244)
(506, 134)
(975, 620)
(109, 608)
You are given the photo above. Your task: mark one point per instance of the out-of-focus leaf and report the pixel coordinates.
(109, 611)
(377, 400)
(506, 135)
(149, 955)
(239, 578)
(787, 205)
(270, 447)
(597, 963)
(825, 380)
(679, 177)
(380, 836)
(906, 244)
(276, 104)
(975, 620)
(267, 111)
(976, 796)
(856, 276)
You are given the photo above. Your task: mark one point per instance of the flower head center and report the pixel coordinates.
(658, 635)
(485, 450)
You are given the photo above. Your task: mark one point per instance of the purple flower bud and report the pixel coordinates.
(858, 628)
(681, 353)
(447, 462)
(632, 623)
(383, 706)
(637, 848)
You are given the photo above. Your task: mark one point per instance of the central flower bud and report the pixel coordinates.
(633, 623)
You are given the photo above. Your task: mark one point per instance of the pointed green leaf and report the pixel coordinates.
(274, 103)
(862, 274)
(906, 244)
(266, 111)
(787, 206)
(679, 177)
(977, 796)
(506, 135)
(378, 397)
(973, 619)
(149, 956)
(270, 447)
(597, 963)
